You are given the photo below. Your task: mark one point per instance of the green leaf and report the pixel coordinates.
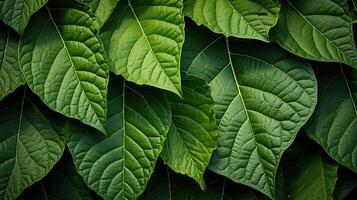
(165, 184)
(193, 134)
(101, 8)
(317, 29)
(10, 73)
(62, 183)
(144, 41)
(239, 18)
(346, 184)
(308, 173)
(63, 62)
(119, 166)
(261, 101)
(334, 123)
(30, 145)
(17, 13)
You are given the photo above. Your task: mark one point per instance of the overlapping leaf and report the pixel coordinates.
(63, 62)
(307, 173)
(30, 145)
(144, 40)
(193, 133)
(10, 73)
(317, 29)
(334, 122)
(239, 18)
(261, 101)
(62, 183)
(119, 166)
(17, 13)
(101, 8)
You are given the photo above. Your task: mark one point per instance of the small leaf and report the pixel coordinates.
(17, 13)
(119, 166)
(261, 101)
(30, 145)
(318, 30)
(193, 133)
(334, 122)
(102, 8)
(239, 18)
(63, 62)
(10, 73)
(144, 41)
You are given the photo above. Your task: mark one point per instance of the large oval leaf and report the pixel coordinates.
(10, 73)
(334, 123)
(17, 13)
(261, 101)
(193, 134)
(239, 18)
(144, 40)
(63, 62)
(119, 166)
(30, 145)
(317, 29)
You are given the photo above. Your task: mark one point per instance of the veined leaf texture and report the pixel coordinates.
(119, 166)
(239, 18)
(261, 101)
(17, 13)
(317, 29)
(193, 133)
(150, 36)
(334, 122)
(10, 73)
(30, 142)
(178, 99)
(63, 62)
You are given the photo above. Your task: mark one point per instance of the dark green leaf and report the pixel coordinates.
(193, 133)
(119, 166)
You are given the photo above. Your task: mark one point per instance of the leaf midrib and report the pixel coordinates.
(349, 89)
(73, 66)
(151, 50)
(124, 135)
(246, 112)
(17, 144)
(255, 30)
(5, 51)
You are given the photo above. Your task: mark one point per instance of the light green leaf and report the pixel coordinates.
(119, 166)
(17, 13)
(239, 18)
(193, 134)
(261, 101)
(63, 62)
(317, 29)
(101, 8)
(30, 145)
(10, 73)
(144, 41)
(308, 173)
(334, 123)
